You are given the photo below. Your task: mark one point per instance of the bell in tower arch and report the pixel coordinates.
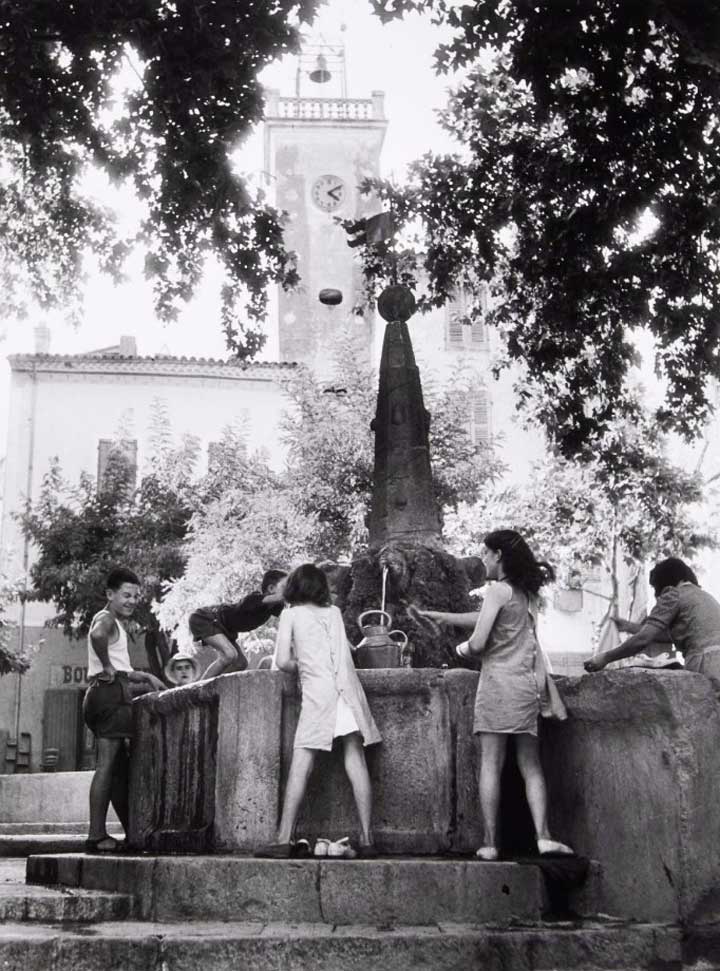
(320, 74)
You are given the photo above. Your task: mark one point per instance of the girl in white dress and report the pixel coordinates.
(311, 641)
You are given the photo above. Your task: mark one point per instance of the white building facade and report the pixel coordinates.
(71, 407)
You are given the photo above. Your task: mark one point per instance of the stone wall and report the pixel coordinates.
(205, 779)
(633, 775)
(46, 797)
(634, 778)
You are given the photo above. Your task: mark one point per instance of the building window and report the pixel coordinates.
(480, 432)
(459, 335)
(110, 452)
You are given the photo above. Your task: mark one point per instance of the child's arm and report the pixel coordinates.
(657, 623)
(633, 645)
(283, 644)
(626, 626)
(144, 677)
(102, 630)
(458, 620)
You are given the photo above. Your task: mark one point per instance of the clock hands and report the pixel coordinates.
(334, 193)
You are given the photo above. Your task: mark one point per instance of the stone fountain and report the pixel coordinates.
(405, 521)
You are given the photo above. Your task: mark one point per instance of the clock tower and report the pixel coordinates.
(318, 148)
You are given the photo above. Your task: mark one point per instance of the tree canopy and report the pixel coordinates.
(586, 184)
(586, 187)
(190, 97)
(604, 519)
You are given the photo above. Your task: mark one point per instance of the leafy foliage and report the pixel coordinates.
(13, 660)
(191, 538)
(231, 542)
(331, 447)
(629, 502)
(81, 532)
(587, 189)
(169, 135)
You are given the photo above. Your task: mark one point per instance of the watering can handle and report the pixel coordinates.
(402, 634)
(367, 613)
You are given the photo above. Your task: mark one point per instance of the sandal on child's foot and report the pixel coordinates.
(300, 849)
(487, 853)
(341, 849)
(274, 851)
(105, 844)
(552, 846)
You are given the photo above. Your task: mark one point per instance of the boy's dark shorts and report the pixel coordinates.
(107, 708)
(204, 623)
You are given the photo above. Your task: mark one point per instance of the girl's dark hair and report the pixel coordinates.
(307, 584)
(518, 560)
(670, 572)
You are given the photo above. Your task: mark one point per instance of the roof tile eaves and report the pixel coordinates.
(110, 359)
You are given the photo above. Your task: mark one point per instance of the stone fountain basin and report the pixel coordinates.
(633, 775)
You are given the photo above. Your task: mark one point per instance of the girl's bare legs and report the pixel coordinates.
(528, 759)
(301, 765)
(492, 758)
(357, 773)
(229, 655)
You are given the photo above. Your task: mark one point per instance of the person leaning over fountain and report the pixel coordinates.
(219, 626)
(514, 687)
(690, 614)
(311, 641)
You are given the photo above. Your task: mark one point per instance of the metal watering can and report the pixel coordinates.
(380, 646)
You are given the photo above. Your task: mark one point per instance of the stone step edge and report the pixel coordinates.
(221, 946)
(40, 828)
(145, 876)
(66, 906)
(40, 843)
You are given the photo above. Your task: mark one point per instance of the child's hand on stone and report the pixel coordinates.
(595, 664)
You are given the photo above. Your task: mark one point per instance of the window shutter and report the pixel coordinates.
(480, 417)
(479, 332)
(454, 332)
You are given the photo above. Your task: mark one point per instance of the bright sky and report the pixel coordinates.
(396, 59)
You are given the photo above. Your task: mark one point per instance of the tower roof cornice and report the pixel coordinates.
(280, 108)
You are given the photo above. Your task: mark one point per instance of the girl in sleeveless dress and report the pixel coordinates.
(311, 641)
(514, 688)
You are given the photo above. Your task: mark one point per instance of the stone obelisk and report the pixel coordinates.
(404, 511)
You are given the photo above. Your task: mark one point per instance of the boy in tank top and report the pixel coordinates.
(107, 705)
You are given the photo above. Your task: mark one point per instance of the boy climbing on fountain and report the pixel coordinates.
(219, 626)
(311, 641)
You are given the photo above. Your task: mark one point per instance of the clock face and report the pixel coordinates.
(329, 192)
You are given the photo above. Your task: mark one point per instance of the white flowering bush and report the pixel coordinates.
(231, 543)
